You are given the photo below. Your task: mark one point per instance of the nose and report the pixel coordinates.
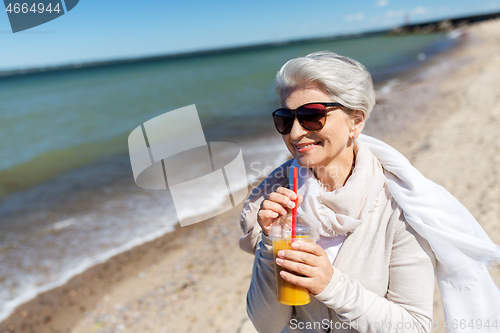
(297, 130)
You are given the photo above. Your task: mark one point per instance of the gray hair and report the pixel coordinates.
(344, 79)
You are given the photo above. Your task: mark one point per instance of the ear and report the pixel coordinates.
(358, 123)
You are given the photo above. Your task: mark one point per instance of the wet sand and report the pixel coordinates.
(444, 119)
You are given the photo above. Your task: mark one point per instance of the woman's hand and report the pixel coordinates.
(309, 260)
(280, 202)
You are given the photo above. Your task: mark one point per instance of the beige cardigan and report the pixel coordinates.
(383, 278)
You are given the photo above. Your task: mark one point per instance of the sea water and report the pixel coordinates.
(67, 196)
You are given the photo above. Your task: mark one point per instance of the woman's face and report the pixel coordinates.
(327, 147)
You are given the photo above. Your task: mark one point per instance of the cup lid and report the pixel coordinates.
(284, 230)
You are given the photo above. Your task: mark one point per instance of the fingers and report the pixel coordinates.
(298, 257)
(287, 192)
(300, 281)
(268, 213)
(306, 253)
(309, 247)
(297, 267)
(300, 199)
(305, 268)
(280, 202)
(284, 197)
(274, 207)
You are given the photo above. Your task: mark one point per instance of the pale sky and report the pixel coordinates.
(111, 29)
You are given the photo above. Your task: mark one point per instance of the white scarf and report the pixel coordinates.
(462, 249)
(341, 211)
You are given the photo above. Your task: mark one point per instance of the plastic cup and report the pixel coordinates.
(287, 293)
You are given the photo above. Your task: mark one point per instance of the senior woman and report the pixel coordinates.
(370, 271)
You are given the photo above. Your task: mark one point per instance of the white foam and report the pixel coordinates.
(164, 224)
(454, 34)
(216, 201)
(269, 153)
(63, 224)
(31, 292)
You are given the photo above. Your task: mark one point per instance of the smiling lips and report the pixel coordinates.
(305, 147)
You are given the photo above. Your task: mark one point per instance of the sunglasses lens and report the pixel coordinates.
(283, 120)
(312, 116)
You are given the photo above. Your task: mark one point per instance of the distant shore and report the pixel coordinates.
(443, 117)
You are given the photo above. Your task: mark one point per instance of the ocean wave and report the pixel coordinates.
(31, 291)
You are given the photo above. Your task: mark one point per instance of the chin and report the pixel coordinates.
(306, 161)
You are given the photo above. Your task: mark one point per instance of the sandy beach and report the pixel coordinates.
(443, 117)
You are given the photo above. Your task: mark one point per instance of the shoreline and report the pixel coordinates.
(398, 97)
(164, 270)
(64, 307)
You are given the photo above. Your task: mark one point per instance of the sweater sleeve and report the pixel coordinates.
(265, 312)
(407, 306)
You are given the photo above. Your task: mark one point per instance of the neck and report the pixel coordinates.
(335, 174)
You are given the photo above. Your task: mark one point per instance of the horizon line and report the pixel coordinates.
(411, 28)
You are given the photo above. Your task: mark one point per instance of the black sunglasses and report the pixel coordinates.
(311, 116)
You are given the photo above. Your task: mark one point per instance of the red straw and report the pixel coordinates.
(294, 213)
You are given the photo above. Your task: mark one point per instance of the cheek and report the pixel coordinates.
(337, 132)
(286, 140)
(336, 136)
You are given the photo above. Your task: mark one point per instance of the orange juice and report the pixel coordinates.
(287, 293)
